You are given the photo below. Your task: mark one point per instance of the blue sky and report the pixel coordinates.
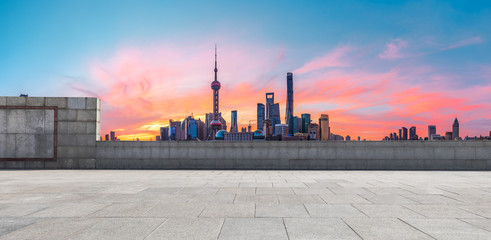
(46, 47)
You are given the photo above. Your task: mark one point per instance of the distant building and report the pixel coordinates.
(201, 129)
(164, 133)
(435, 137)
(238, 136)
(233, 122)
(276, 115)
(269, 105)
(189, 128)
(157, 138)
(391, 137)
(289, 103)
(404, 133)
(335, 137)
(412, 133)
(107, 137)
(324, 129)
(297, 125)
(175, 131)
(348, 138)
(260, 115)
(113, 135)
(267, 128)
(448, 136)
(431, 131)
(305, 122)
(281, 130)
(313, 131)
(399, 137)
(455, 130)
(358, 138)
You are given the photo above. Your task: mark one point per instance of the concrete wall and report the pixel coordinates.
(73, 122)
(407, 155)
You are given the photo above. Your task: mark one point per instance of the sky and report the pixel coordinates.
(373, 66)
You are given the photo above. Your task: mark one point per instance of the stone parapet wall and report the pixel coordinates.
(370, 155)
(49, 132)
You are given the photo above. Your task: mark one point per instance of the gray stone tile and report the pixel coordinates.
(20, 210)
(237, 190)
(318, 228)
(256, 198)
(70, 210)
(387, 211)
(229, 211)
(170, 210)
(299, 199)
(125, 210)
(333, 211)
(188, 228)
(481, 210)
(52, 228)
(391, 228)
(281, 210)
(120, 228)
(274, 190)
(484, 223)
(8, 225)
(310, 191)
(345, 198)
(448, 229)
(388, 199)
(441, 211)
(253, 228)
(432, 199)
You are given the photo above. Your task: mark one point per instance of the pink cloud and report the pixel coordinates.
(393, 49)
(465, 42)
(334, 58)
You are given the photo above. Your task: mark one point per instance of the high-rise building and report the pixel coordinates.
(107, 137)
(260, 115)
(157, 138)
(412, 133)
(348, 138)
(289, 103)
(305, 122)
(233, 122)
(281, 130)
(448, 136)
(175, 131)
(391, 136)
(164, 133)
(313, 131)
(113, 135)
(268, 128)
(431, 131)
(269, 105)
(455, 130)
(400, 134)
(276, 115)
(201, 129)
(216, 125)
(404, 133)
(324, 128)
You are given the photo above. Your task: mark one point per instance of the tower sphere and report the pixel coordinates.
(215, 85)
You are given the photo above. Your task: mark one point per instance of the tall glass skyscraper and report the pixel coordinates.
(260, 116)
(276, 115)
(431, 131)
(305, 122)
(455, 129)
(234, 127)
(289, 103)
(269, 106)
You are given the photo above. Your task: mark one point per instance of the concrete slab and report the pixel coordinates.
(120, 228)
(333, 211)
(318, 228)
(253, 228)
(188, 228)
(391, 228)
(281, 211)
(229, 211)
(448, 229)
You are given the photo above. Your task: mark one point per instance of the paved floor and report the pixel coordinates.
(90, 204)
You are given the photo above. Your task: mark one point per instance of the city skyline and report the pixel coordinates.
(368, 80)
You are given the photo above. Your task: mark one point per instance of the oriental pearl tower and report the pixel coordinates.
(215, 86)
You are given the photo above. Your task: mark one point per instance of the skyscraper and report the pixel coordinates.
(233, 122)
(215, 86)
(324, 128)
(276, 114)
(305, 122)
(269, 106)
(455, 129)
(400, 134)
(289, 103)
(404, 133)
(431, 131)
(260, 115)
(412, 133)
(113, 135)
(164, 133)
